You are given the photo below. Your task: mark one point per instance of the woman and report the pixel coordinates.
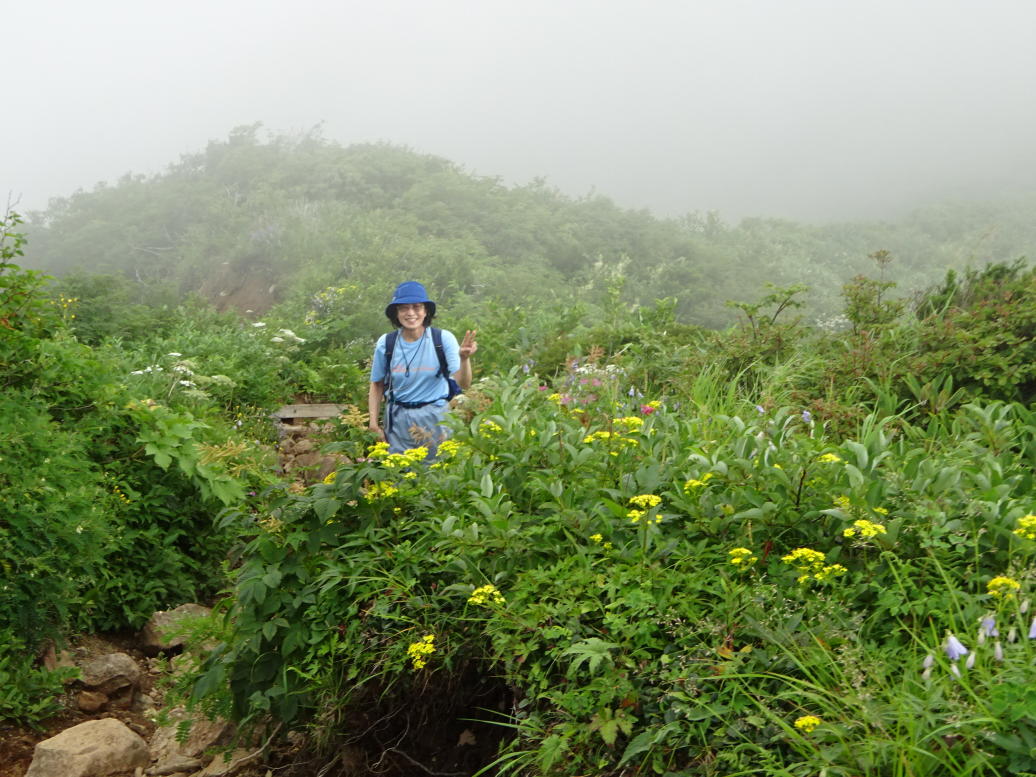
(415, 385)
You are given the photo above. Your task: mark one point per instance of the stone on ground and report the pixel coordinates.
(96, 748)
(160, 633)
(110, 673)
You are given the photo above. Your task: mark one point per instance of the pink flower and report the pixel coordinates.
(647, 409)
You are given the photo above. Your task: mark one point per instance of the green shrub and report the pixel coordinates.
(654, 588)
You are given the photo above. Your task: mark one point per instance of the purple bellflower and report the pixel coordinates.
(954, 648)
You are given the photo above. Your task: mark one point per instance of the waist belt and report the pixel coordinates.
(411, 405)
(389, 402)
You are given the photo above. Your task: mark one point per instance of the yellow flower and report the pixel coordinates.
(833, 570)
(881, 511)
(1026, 527)
(646, 501)
(842, 502)
(742, 558)
(486, 595)
(694, 483)
(865, 529)
(596, 537)
(829, 458)
(449, 448)
(807, 723)
(376, 491)
(377, 450)
(407, 458)
(804, 557)
(636, 515)
(419, 651)
(631, 423)
(331, 478)
(489, 428)
(1003, 587)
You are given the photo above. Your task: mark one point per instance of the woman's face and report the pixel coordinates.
(411, 317)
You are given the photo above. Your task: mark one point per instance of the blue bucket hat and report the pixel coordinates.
(410, 293)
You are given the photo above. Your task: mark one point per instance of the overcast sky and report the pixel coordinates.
(808, 109)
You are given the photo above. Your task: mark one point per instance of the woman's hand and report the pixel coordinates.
(468, 345)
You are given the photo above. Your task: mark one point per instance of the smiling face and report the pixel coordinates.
(411, 318)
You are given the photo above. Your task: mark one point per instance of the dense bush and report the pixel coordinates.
(107, 495)
(658, 587)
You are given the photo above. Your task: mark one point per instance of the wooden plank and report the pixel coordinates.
(308, 411)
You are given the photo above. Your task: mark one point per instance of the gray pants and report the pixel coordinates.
(416, 427)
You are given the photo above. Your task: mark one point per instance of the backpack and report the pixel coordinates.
(453, 388)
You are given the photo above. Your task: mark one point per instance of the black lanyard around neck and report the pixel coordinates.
(417, 349)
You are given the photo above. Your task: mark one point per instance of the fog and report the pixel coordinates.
(806, 109)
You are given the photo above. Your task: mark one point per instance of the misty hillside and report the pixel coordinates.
(250, 223)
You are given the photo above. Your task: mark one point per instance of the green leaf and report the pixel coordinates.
(326, 508)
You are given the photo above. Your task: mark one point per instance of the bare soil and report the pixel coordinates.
(17, 742)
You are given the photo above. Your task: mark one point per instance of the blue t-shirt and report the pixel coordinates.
(415, 367)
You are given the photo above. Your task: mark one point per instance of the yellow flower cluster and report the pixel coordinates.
(486, 595)
(599, 539)
(804, 557)
(606, 435)
(407, 458)
(122, 497)
(377, 450)
(449, 448)
(842, 502)
(1003, 587)
(742, 558)
(829, 571)
(489, 428)
(829, 458)
(1027, 527)
(630, 423)
(636, 515)
(330, 478)
(376, 491)
(810, 563)
(419, 651)
(694, 483)
(807, 723)
(864, 529)
(646, 501)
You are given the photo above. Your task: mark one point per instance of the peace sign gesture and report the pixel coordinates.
(468, 345)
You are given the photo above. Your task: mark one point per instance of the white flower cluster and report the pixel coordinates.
(286, 336)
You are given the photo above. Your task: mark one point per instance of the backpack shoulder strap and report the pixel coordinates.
(390, 344)
(444, 370)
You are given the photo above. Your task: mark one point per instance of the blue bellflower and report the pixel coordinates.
(954, 648)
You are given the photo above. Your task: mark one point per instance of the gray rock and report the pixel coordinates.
(110, 673)
(161, 631)
(176, 764)
(90, 701)
(204, 734)
(93, 749)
